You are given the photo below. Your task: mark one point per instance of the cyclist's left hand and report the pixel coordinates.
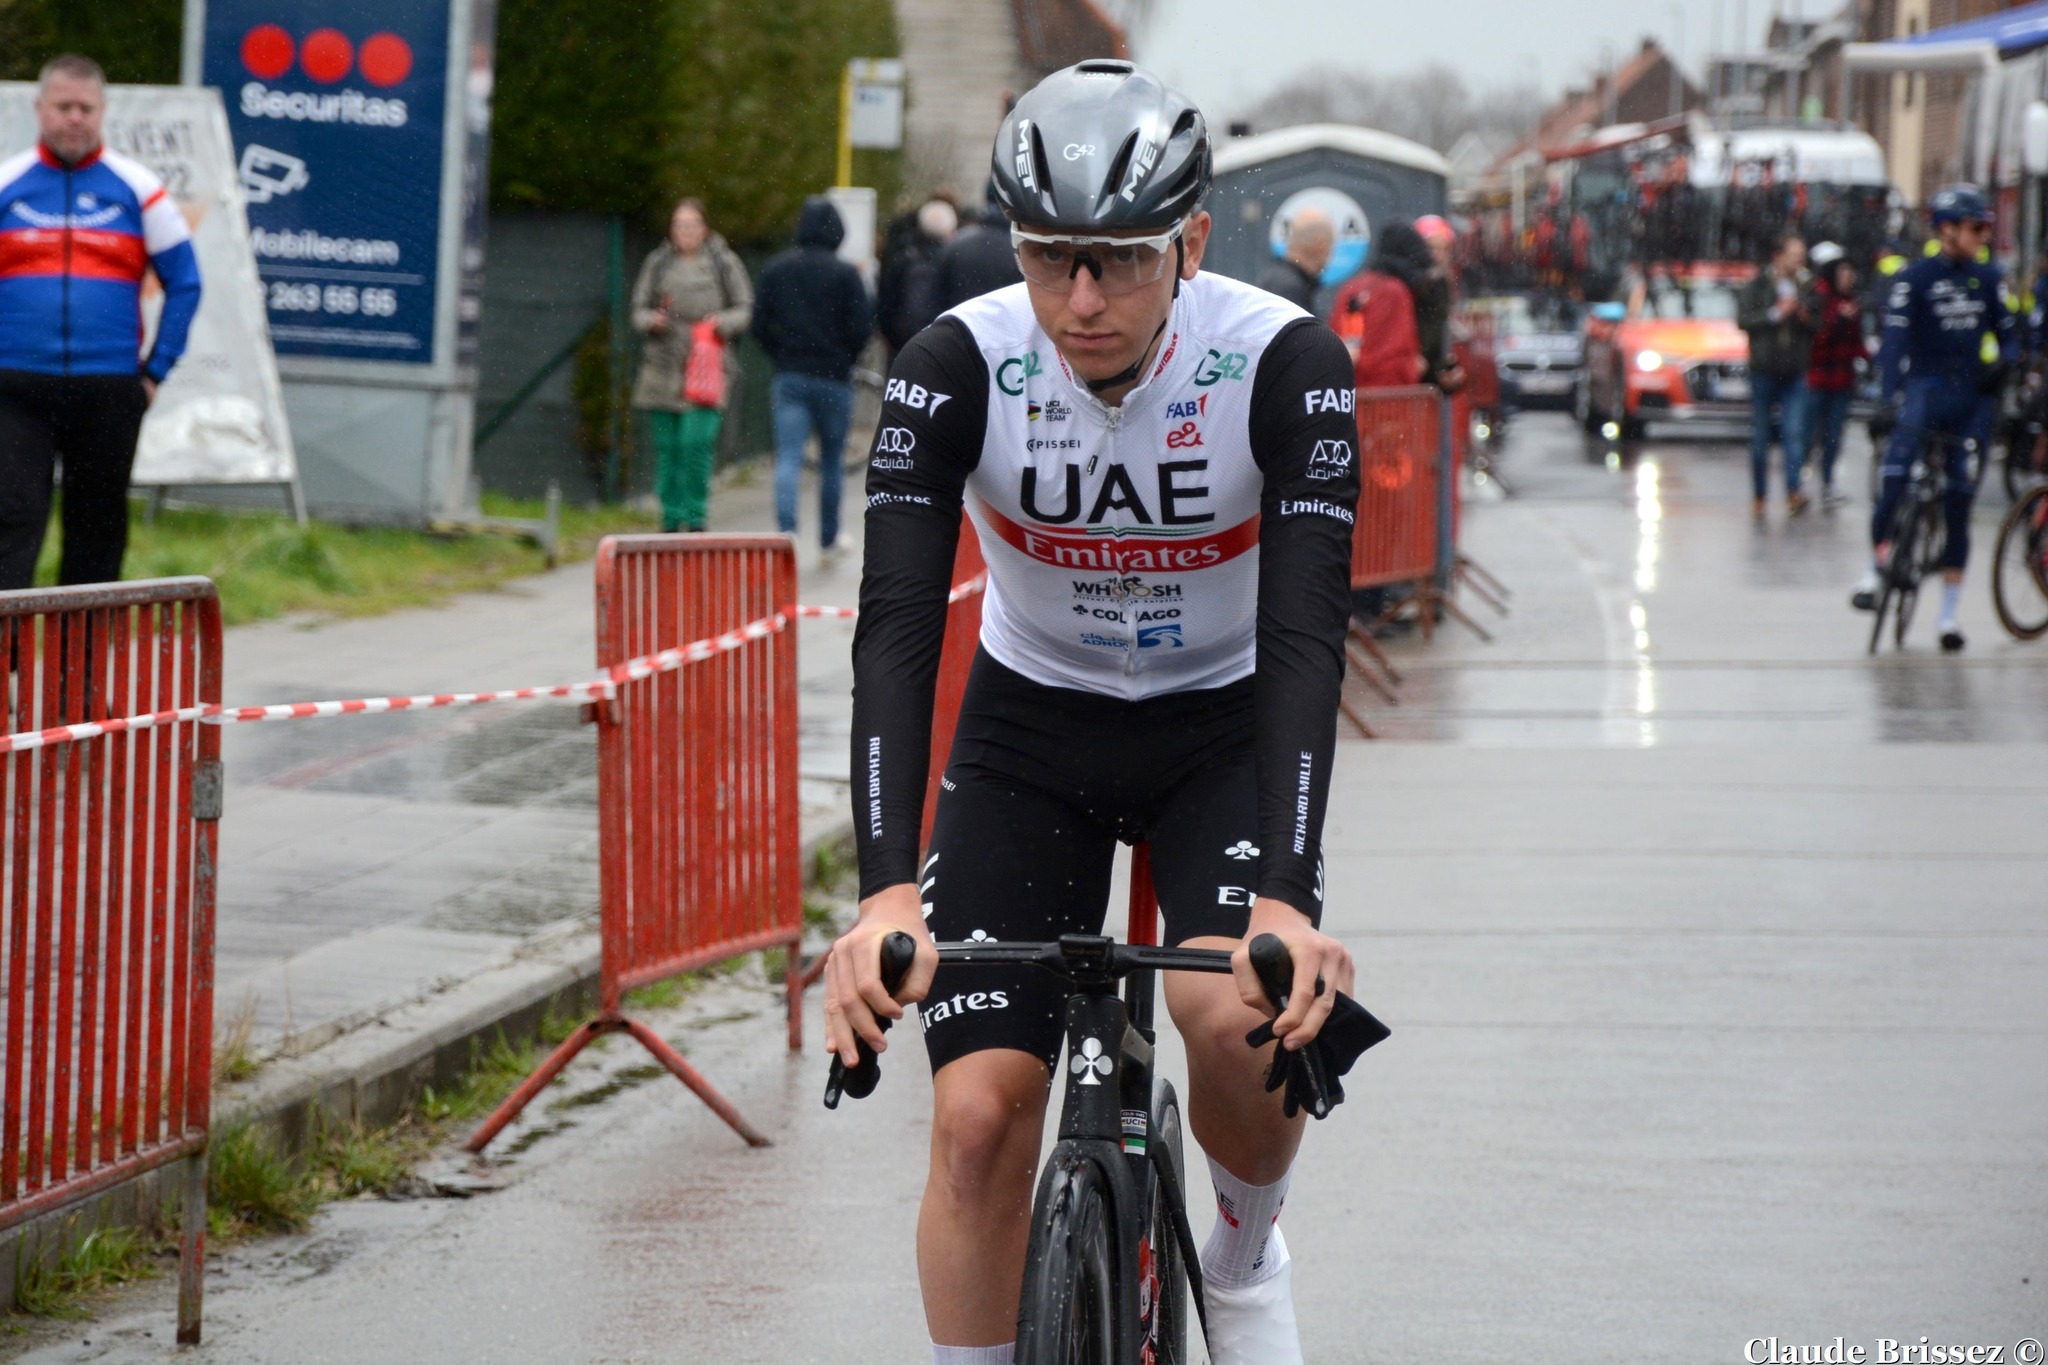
(1317, 959)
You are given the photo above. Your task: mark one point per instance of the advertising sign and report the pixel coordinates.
(1354, 232)
(219, 418)
(339, 114)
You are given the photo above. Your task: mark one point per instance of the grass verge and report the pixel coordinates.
(268, 566)
(107, 1257)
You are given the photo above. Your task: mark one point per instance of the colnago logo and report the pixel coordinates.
(940, 1011)
(325, 56)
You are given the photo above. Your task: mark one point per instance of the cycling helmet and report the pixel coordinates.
(1102, 145)
(1959, 204)
(1825, 255)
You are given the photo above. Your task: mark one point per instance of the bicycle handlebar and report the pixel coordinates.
(1073, 956)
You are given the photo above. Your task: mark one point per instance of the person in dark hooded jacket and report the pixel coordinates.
(812, 315)
(1375, 311)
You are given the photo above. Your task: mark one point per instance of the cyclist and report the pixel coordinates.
(1161, 467)
(1949, 342)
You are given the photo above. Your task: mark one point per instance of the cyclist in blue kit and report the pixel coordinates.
(1949, 342)
(1161, 468)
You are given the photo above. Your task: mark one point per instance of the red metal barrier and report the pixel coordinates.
(1395, 537)
(963, 634)
(699, 851)
(107, 901)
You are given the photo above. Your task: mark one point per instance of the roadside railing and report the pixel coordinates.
(107, 855)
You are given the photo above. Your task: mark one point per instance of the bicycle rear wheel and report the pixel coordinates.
(2019, 573)
(1068, 1312)
(1163, 1297)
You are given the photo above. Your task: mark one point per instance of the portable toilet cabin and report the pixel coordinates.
(1361, 177)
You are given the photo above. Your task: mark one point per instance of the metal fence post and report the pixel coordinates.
(1446, 489)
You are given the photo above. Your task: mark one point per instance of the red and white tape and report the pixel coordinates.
(596, 689)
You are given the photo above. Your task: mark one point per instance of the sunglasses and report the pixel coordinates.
(1120, 265)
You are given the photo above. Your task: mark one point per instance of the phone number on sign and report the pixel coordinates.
(333, 298)
(1887, 1351)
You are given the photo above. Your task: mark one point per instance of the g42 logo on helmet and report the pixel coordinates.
(1076, 150)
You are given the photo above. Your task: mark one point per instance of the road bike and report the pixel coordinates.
(1918, 534)
(1112, 1262)
(2019, 572)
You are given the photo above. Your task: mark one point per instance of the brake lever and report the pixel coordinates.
(899, 950)
(1275, 968)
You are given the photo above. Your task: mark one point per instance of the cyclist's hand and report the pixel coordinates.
(853, 972)
(1322, 967)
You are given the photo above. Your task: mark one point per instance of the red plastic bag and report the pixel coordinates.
(704, 371)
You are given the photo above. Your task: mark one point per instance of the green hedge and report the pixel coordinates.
(611, 106)
(624, 106)
(135, 40)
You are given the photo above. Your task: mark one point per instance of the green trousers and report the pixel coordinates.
(685, 449)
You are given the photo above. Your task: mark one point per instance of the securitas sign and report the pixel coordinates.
(337, 109)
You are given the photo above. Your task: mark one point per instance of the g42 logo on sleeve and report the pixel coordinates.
(1217, 365)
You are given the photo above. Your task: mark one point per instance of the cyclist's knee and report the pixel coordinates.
(988, 1111)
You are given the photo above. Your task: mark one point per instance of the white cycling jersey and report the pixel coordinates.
(1196, 534)
(1119, 539)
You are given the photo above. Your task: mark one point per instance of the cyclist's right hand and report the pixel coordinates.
(854, 996)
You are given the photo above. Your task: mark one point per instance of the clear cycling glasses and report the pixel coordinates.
(1120, 265)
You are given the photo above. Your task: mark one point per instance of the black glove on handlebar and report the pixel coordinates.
(1310, 1073)
(1344, 1037)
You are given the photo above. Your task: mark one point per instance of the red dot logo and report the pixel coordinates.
(386, 59)
(327, 55)
(267, 51)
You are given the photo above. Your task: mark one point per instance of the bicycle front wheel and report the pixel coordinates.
(1164, 1296)
(1068, 1312)
(2019, 573)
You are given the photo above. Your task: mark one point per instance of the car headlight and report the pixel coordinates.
(1649, 360)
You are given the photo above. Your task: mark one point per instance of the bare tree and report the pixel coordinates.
(1432, 105)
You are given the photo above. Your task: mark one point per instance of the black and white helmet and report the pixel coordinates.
(1102, 145)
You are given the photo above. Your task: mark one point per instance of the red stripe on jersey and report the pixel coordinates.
(108, 256)
(1125, 550)
(151, 202)
(31, 251)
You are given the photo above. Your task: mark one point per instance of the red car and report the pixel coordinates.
(1670, 352)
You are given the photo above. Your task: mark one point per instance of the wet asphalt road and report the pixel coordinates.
(1714, 952)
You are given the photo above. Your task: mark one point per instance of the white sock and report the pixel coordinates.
(1236, 1251)
(972, 1355)
(1951, 598)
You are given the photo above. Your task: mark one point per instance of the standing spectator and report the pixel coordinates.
(906, 300)
(691, 277)
(1837, 346)
(813, 317)
(1375, 311)
(1433, 306)
(1311, 237)
(80, 226)
(1776, 309)
(978, 261)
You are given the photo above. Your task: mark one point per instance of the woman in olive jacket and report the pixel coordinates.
(692, 276)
